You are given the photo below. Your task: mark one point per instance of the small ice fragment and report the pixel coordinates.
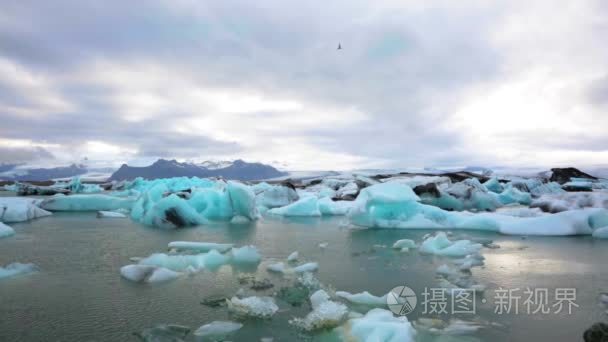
(261, 307)
(147, 274)
(240, 220)
(323, 245)
(364, 298)
(164, 332)
(308, 267)
(110, 214)
(293, 256)
(278, 267)
(200, 246)
(217, 329)
(379, 325)
(325, 313)
(404, 243)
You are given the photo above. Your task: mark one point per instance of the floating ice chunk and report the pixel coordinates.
(16, 269)
(323, 245)
(278, 267)
(242, 198)
(441, 245)
(325, 313)
(19, 209)
(404, 243)
(364, 298)
(379, 325)
(519, 211)
(110, 214)
(329, 207)
(86, 203)
(547, 188)
(308, 267)
(164, 332)
(306, 206)
(147, 273)
(217, 329)
(179, 262)
(261, 307)
(213, 204)
(468, 262)
(293, 256)
(6, 230)
(246, 254)
(200, 246)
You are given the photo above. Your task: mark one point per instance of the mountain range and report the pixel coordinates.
(162, 168)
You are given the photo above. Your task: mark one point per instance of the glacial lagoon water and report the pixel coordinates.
(79, 295)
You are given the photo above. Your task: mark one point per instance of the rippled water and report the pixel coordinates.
(79, 295)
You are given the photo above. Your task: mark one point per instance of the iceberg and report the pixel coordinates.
(172, 212)
(6, 230)
(86, 203)
(280, 267)
(308, 267)
(246, 255)
(164, 332)
(200, 246)
(217, 330)
(259, 307)
(306, 206)
(14, 209)
(379, 325)
(364, 298)
(325, 313)
(494, 185)
(16, 269)
(243, 200)
(147, 273)
(396, 206)
(512, 195)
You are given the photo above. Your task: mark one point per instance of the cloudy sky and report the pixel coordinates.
(417, 83)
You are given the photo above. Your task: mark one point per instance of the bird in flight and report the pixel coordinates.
(339, 46)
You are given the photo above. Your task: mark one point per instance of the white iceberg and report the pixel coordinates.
(329, 207)
(293, 256)
(183, 262)
(396, 206)
(404, 243)
(14, 209)
(275, 196)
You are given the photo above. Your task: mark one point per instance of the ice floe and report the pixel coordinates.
(364, 298)
(307, 206)
(246, 255)
(441, 245)
(110, 214)
(217, 330)
(86, 203)
(17, 269)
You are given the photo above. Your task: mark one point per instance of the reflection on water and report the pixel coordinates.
(79, 294)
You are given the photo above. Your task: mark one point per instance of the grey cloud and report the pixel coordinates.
(17, 155)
